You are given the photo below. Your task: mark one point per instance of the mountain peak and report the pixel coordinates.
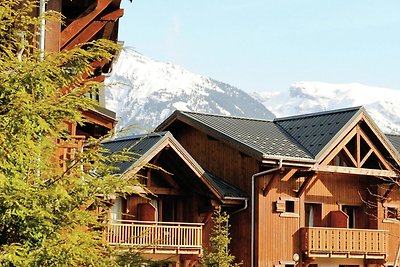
(310, 96)
(143, 92)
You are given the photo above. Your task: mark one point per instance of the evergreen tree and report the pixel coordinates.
(218, 254)
(47, 213)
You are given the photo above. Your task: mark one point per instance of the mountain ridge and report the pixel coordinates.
(382, 104)
(143, 92)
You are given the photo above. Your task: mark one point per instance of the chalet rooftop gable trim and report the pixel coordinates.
(261, 139)
(222, 190)
(361, 116)
(312, 135)
(317, 131)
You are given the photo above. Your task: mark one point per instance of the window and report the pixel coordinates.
(287, 207)
(313, 214)
(118, 209)
(355, 215)
(391, 213)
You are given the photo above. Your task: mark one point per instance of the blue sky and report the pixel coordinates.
(263, 45)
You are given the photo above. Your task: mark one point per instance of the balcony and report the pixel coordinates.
(344, 243)
(156, 237)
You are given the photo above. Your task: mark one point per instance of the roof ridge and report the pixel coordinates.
(136, 136)
(223, 116)
(391, 134)
(320, 113)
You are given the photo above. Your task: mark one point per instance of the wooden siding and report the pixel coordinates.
(226, 162)
(278, 235)
(392, 225)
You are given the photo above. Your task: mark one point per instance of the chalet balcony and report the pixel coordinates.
(344, 243)
(156, 237)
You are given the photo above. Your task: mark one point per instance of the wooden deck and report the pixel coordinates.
(343, 242)
(157, 237)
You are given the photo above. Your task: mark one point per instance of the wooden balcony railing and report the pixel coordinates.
(340, 242)
(157, 237)
(68, 150)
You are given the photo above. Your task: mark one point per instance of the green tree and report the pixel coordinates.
(48, 214)
(219, 254)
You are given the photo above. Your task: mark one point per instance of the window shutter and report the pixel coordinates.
(280, 206)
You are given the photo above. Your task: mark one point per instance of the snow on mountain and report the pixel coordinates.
(382, 104)
(143, 92)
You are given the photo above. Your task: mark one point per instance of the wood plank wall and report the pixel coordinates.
(393, 226)
(227, 163)
(278, 237)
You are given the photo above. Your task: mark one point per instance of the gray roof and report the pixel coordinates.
(314, 131)
(136, 145)
(224, 188)
(298, 138)
(264, 137)
(395, 140)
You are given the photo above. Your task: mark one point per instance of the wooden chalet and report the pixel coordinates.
(323, 186)
(171, 219)
(84, 21)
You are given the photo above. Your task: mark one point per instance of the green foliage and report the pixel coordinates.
(48, 214)
(219, 255)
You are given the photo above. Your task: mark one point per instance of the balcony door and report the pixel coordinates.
(355, 214)
(313, 214)
(118, 209)
(170, 209)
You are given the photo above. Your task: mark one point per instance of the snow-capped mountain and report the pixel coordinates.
(382, 104)
(143, 92)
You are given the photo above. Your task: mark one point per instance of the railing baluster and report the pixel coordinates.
(158, 235)
(342, 240)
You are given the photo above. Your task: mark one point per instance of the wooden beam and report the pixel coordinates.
(350, 156)
(166, 191)
(366, 157)
(86, 35)
(167, 177)
(377, 153)
(306, 184)
(339, 147)
(288, 175)
(90, 31)
(268, 186)
(97, 118)
(358, 147)
(113, 16)
(80, 23)
(359, 171)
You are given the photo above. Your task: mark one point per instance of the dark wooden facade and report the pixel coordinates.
(339, 210)
(174, 208)
(231, 164)
(84, 21)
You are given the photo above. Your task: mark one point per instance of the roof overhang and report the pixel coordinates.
(361, 115)
(169, 141)
(242, 147)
